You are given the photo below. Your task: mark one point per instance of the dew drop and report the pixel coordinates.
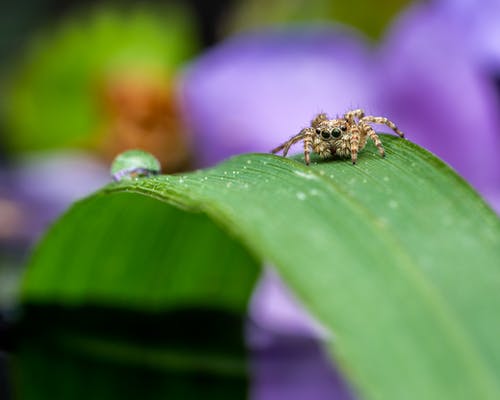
(301, 195)
(229, 184)
(314, 192)
(134, 164)
(393, 204)
(305, 175)
(249, 161)
(386, 178)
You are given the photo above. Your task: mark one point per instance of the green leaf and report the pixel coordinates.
(75, 354)
(397, 258)
(142, 287)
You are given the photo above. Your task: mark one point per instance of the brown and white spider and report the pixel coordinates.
(340, 137)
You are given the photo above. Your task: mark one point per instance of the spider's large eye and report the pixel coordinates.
(325, 134)
(343, 127)
(336, 132)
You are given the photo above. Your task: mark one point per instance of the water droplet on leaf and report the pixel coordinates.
(134, 164)
(301, 195)
(393, 204)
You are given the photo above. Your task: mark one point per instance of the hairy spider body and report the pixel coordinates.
(341, 137)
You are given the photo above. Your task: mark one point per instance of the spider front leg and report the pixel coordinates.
(308, 141)
(354, 141)
(384, 121)
(349, 116)
(368, 130)
(286, 146)
(294, 139)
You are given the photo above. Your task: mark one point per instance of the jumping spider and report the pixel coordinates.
(340, 137)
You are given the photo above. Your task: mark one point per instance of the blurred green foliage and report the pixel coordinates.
(52, 97)
(370, 17)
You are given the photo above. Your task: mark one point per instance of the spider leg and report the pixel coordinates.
(354, 141)
(307, 148)
(294, 139)
(373, 136)
(279, 148)
(363, 136)
(384, 121)
(318, 119)
(292, 142)
(350, 115)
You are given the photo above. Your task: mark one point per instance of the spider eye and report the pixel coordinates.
(325, 134)
(336, 132)
(343, 127)
(318, 131)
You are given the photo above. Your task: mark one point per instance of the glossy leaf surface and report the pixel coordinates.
(397, 257)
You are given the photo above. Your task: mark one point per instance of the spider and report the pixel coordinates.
(340, 137)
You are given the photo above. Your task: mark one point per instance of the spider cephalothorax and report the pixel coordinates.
(340, 137)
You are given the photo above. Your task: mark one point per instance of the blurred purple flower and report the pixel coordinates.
(441, 95)
(478, 23)
(253, 91)
(293, 368)
(44, 186)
